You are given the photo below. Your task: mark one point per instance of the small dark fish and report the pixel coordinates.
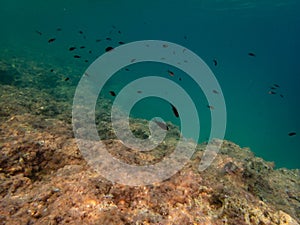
(215, 62)
(98, 40)
(165, 45)
(126, 69)
(179, 78)
(276, 85)
(281, 95)
(67, 78)
(139, 92)
(86, 60)
(77, 56)
(210, 107)
(72, 48)
(112, 93)
(119, 32)
(80, 32)
(273, 88)
(251, 54)
(162, 125)
(81, 47)
(170, 73)
(58, 29)
(175, 111)
(121, 42)
(215, 91)
(51, 40)
(109, 49)
(51, 70)
(108, 39)
(292, 134)
(272, 92)
(38, 32)
(113, 26)
(90, 51)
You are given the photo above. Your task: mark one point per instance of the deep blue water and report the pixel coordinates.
(214, 29)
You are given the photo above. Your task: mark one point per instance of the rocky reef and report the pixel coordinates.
(44, 179)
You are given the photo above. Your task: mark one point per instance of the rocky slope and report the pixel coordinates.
(45, 180)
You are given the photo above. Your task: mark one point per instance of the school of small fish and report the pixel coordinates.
(273, 89)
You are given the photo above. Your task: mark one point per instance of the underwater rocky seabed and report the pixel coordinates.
(45, 180)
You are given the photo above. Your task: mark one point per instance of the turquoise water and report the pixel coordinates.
(214, 29)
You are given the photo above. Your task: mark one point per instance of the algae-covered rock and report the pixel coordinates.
(44, 178)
